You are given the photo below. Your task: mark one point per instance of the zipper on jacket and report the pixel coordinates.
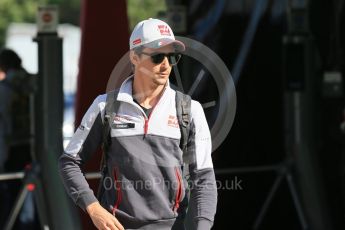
(118, 190)
(146, 125)
(179, 190)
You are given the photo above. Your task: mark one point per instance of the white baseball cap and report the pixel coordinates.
(154, 33)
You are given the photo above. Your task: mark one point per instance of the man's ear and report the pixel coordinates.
(134, 57)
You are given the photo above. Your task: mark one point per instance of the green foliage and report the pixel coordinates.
(143, 9)
(69, 11)
(25, 11)
(16, 11)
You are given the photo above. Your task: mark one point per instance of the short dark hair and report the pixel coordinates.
(9, 60)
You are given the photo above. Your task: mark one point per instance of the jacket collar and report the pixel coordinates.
(126, 91)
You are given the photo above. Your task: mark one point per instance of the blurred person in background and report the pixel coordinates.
(15, 90)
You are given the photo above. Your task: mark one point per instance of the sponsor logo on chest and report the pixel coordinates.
(122, 122)
(172, 121)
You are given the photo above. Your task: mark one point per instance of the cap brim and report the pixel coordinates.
(177, 45)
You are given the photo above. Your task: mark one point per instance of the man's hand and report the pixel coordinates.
(102, 219)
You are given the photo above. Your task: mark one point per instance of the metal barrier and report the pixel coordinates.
(20, 175)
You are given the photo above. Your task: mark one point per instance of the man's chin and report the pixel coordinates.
(161, 80)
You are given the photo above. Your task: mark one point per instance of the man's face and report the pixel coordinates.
(157, 73)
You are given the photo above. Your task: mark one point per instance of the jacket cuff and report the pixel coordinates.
(203, 224)
(86, 199)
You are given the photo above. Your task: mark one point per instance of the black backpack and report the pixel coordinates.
(183, 108)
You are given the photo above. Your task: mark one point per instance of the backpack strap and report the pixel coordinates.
(183, 111)
(111, 107)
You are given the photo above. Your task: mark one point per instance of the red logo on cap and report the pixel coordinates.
(137, 41)
(164, 30)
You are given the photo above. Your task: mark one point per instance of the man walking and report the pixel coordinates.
(144, 185)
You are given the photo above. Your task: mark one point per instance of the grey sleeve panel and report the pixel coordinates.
(82, 146)
(75, 182)
(203, 224)
(203, 196)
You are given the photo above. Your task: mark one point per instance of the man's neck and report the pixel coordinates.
(147, 94)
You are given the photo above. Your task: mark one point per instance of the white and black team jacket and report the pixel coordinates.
(144, 184)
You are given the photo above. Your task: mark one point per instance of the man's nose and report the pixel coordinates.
(165, 62)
